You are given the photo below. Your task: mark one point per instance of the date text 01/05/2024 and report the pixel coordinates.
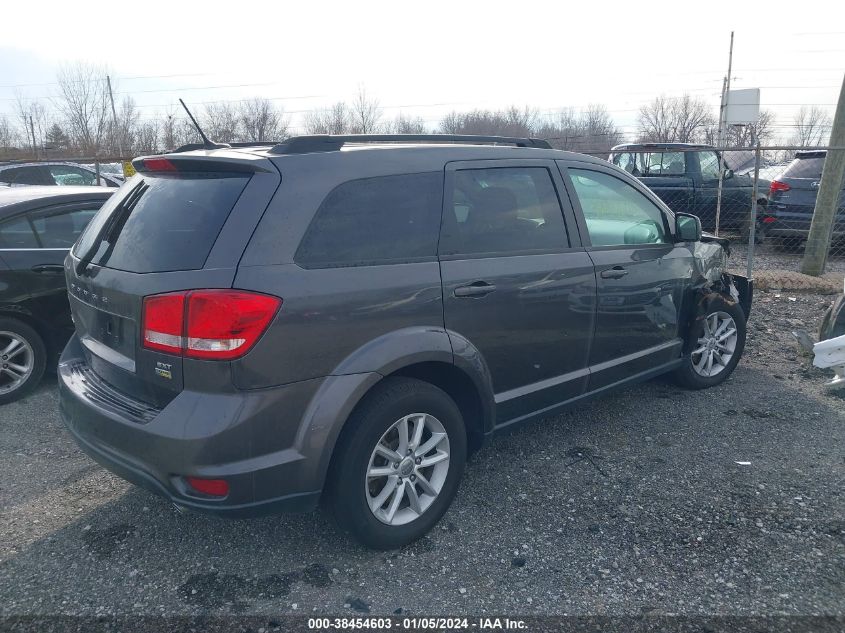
(416, 623)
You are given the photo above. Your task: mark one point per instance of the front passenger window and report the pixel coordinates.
(615, 212)
(503, 210)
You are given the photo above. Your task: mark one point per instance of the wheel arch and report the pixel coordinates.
(16, 312)
(462, 375)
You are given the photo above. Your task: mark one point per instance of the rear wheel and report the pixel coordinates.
(22, 359)
(716, 343)
(399, 463)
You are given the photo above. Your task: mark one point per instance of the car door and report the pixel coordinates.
(640, 273)
(33, 247)
(517, 285)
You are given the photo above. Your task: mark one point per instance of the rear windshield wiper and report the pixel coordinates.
(112, 226)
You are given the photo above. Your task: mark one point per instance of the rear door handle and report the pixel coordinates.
(48, 269)
(475, 289)
(617, 272)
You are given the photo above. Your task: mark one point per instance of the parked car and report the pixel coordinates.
(54, 173)
(792, 201)
(38, 225)
(113, 170)
(686, 177)
(346, 318)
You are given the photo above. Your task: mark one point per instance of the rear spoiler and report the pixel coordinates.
(174, 164)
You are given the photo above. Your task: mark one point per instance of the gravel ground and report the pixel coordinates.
(653, 500)
(770, 256)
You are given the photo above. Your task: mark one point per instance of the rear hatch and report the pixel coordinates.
(792, 196)
(181, 223)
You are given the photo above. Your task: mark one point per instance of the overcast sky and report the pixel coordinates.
(428, 58)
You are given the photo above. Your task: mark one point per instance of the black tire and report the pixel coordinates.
(39, 359)
(687, 375)
(390, 401)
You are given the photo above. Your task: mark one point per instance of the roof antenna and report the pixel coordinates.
(206, 143)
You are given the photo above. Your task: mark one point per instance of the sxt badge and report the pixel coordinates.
(163, 370)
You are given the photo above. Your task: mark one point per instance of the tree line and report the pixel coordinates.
(79, 121)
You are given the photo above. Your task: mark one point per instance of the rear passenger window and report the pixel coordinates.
(503, 210)
(61, 230)
(17, 233)
(375, 221)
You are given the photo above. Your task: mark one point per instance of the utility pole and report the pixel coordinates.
(833, 174)
(34, 143)
(114, 119)
(726, 88)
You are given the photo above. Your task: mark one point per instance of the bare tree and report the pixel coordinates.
(168, 130)
(221, 122)
(744, 135)
(591, 130)
(123, 131)
(683, 120)
(336, 119)
(8, 136)
(260, 121)
(365, 113)
(513, 121)
(812, 127)
(83, 101)
(147, 137)
(32, 122)
(407, 125)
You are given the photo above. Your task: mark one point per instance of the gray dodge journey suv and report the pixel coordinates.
(346, 319)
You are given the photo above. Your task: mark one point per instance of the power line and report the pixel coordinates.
(56, 83)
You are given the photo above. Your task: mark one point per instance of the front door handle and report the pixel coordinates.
(475, 289)
(617, 272)
(49, 269)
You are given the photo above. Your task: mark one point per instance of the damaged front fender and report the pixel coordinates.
(709, 275)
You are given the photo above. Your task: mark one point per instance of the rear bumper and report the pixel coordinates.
(211, 435)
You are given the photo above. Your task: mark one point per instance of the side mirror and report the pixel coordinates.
(729, 173)
(687, 227)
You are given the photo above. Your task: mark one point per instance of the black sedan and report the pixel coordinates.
(37, 227)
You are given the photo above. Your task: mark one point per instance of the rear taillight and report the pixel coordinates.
(777, 185)
(769, 219)
(210, 324)
(163, 320)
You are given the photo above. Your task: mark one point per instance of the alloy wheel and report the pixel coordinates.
(17, 361)
(407, 469)
(716, 345)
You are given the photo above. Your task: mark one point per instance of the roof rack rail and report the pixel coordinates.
(192, 146)
(333, 142)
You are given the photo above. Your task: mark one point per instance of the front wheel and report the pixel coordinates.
(399, 462)
(715, 345)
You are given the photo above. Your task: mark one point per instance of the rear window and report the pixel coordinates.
(375, 221)
(805, 168)
(162, 222)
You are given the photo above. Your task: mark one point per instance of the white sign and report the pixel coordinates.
(742, 106)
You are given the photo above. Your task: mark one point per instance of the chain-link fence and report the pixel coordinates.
(719, 185)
